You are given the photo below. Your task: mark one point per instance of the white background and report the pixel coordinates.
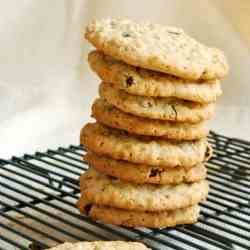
(46, 87)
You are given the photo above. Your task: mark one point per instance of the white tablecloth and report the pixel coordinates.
(46, 88)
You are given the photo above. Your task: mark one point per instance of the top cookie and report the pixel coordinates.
(101, 245)
(157, 47)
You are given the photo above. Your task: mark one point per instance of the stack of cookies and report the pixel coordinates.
(148, 147)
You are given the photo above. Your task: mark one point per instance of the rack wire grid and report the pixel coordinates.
(38, 193)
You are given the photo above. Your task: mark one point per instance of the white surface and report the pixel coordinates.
(46, 88)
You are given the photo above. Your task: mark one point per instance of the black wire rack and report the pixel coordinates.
(38, 193)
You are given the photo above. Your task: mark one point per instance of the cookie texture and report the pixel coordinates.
(138, 173)
(156, 47)
(141, 149)
(171, 109)
(138, 81)
(130, 218)
(109, 115)
(101, 245)
(109, 191)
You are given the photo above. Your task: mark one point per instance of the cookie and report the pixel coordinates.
(101, 245)
(171, 109)
(138, 81)
(109, 115)
(130, 218)
(156, 47)
(138, 173)
(109, 191)
(142, 149)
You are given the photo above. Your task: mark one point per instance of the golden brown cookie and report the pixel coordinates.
(171, 109)
(130, 218)
(109, 115)
(138, 173)
(109, 191)
(139, 81)
(156, 47)
(101, 245)
(142, 149)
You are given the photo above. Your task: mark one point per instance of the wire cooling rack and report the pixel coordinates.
(38, 193)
